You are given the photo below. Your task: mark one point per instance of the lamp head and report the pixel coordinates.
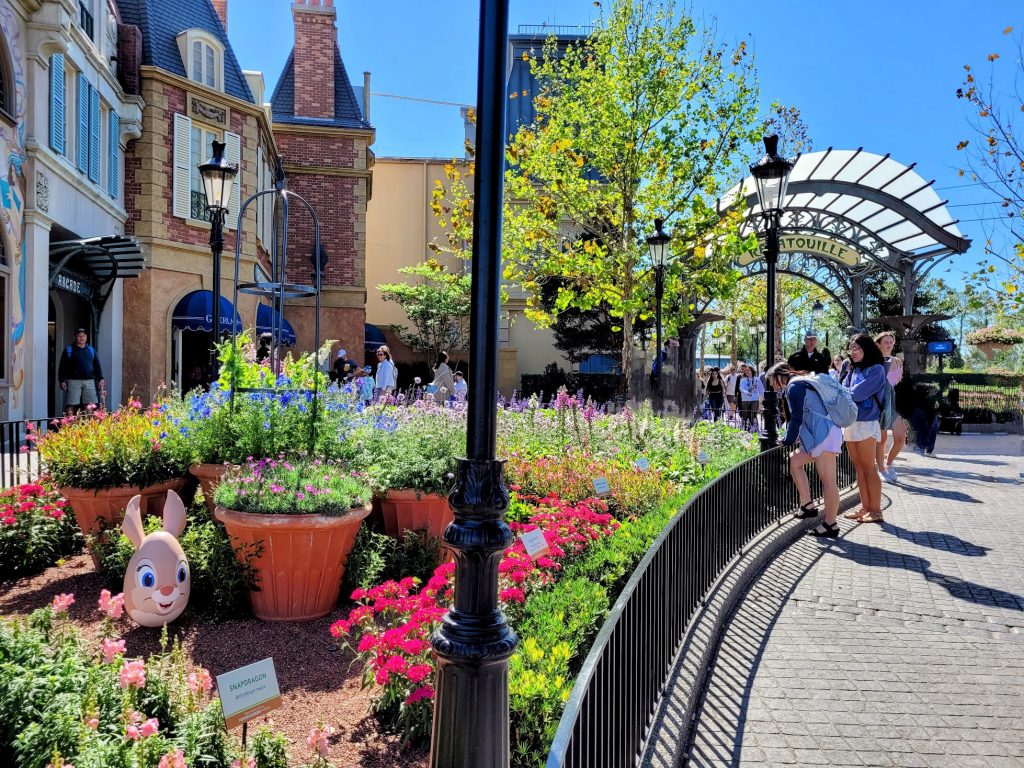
(218, 177)
(658, 244)
(771, 173)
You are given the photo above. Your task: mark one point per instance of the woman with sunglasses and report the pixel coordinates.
(865, 379)
(387, 375)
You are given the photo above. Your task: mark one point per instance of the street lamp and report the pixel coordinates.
(771, 174)
(660, 256)
(818, 312)
(218, 178)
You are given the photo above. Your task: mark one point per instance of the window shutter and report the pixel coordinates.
(233, 154)
(94, 135)
(82, 108)
(57, 101)
(115, 154)
(182, 170)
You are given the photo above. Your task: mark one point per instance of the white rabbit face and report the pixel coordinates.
(157, 581)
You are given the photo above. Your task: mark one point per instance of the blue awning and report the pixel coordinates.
(194, 313)
(374, 336)
(265, 316)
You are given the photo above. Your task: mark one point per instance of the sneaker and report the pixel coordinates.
(890, 474)
(929, 453)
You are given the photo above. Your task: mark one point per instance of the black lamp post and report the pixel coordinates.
(818, 312)
(758, 330)
(658, 245)
(218, 176)
(474, 642)
(771, 173)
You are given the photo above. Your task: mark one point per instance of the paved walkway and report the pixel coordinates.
(895, 645)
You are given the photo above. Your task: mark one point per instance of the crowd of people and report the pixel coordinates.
(826, 401)
(370, 384)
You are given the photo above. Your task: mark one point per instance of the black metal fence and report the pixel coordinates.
(17, 466)
(611, 707)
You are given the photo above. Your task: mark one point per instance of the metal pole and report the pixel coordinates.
(216, 247)
(474, 642)
(770, 438)
(659, 291)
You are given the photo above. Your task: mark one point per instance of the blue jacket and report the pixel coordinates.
(808, 417)
(865, 384)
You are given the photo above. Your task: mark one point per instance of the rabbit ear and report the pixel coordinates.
(132, 525)
(174, 514)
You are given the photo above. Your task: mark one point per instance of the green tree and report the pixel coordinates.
(648, 118)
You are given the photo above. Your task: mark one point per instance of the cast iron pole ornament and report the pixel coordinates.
(771, 174)
(658, 245)
(474, 642)
(218, 177)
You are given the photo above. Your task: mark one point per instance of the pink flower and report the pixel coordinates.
(112, 606)
(176, 759)
(423, 692)
(200, 681)
(62, 602)
(418, 672)
(132, 733)
(150, 728)
(132, 675)
(237, 763)
(92, 723)
(317, 739)
(110, 650)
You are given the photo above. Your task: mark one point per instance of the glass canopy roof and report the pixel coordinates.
(877, 205)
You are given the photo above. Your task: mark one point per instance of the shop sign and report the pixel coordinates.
(819, 246)
(68, 281)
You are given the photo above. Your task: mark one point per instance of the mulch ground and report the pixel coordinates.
(317, 679)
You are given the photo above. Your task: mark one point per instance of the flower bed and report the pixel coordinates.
(36, 529)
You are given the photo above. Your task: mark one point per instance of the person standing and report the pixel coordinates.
(836, 371)
(809, 358)
(731, 380)
(894, 375)
(865, 380)
(751, 390)
(386, 380)
(821, 441)
(80, 374)
(926, 418)
(443, 385)
(344, 369)
(714, 390)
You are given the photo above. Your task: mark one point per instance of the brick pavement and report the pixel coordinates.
(895, 645)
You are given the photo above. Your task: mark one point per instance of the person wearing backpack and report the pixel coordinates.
(866, 381)
(898, 428)
(812, 405)
(79, 374)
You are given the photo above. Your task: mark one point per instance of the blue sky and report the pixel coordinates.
(875, 74)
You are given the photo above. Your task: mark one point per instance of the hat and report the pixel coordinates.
(81, 330)
(341, 353)
(367, 369)
(811, 334)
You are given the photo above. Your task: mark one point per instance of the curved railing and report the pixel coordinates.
(610, 709)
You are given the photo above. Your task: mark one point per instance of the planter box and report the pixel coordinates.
(209, 476)
(302, 561)
(408, 510)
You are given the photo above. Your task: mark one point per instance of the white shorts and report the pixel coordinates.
(81, 392)
(863, 430)
(833, 443)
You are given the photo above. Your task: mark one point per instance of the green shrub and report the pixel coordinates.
(376, 558)
(268, 749)
(37, 528)
(282, 487)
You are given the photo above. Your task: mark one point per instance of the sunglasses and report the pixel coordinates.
(380, 354)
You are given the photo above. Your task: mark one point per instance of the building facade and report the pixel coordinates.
(65, 118)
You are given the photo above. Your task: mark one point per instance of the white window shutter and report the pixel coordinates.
(94, 136)
(57, 100)
(233, 154)
(182, 171)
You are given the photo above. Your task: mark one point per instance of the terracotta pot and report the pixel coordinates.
(989, 348)
(209, 476)
(408, 510)
(302, 561)
(99, 509)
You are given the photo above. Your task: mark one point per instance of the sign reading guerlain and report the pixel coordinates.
(207, 111)
(820, 246)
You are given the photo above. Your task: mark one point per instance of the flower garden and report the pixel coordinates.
(82, 685)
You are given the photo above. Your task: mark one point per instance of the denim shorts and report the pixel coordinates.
(81, 392)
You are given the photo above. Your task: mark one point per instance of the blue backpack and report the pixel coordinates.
(838, 401)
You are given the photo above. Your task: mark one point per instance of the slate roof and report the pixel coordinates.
(347, 112)
(160, 22)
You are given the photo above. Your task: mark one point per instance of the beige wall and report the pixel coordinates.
(399, 226)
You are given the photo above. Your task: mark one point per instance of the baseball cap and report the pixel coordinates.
(811, 334)
(341, 353)
(80, 330)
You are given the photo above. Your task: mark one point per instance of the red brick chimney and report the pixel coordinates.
(316, 38)
(221, 7)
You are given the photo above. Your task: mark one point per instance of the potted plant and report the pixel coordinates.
(35, 530)
(303, 518)
(992, 339)
(98, 461)
(410, 456)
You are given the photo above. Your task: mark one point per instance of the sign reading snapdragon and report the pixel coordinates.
(248, 692)
(819, 246)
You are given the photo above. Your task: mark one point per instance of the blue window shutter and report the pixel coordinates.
(115, 153)
(57, 100)
(83, 123)
(94, 135)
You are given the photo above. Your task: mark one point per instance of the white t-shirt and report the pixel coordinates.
(730, 384)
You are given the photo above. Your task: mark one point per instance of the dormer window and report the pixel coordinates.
(203, 56)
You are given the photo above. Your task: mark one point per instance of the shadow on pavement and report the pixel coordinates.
(946, 542)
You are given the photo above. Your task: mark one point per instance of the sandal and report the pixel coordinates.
(855, 514)
(875, 517)
(826, 531)
(806, 511)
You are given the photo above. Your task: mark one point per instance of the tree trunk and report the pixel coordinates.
(734, 359)
(627, 352)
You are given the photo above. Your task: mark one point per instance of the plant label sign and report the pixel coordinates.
(643, 463)
(535, 543)
(601, 487)
(248, 692)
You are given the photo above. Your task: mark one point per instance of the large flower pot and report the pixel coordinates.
(408, 510)
(301, 562)
(989, 348)
(209, 476)
(99, 509)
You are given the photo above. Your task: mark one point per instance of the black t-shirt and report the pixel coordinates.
(817, 361)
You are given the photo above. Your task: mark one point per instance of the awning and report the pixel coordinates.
(374, 336)
(265, 316)
(193, 313)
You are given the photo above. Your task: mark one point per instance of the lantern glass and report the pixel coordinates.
(771, 173)
(218, 176)
(658, 245)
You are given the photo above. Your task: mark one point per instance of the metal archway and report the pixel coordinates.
(819, 271)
